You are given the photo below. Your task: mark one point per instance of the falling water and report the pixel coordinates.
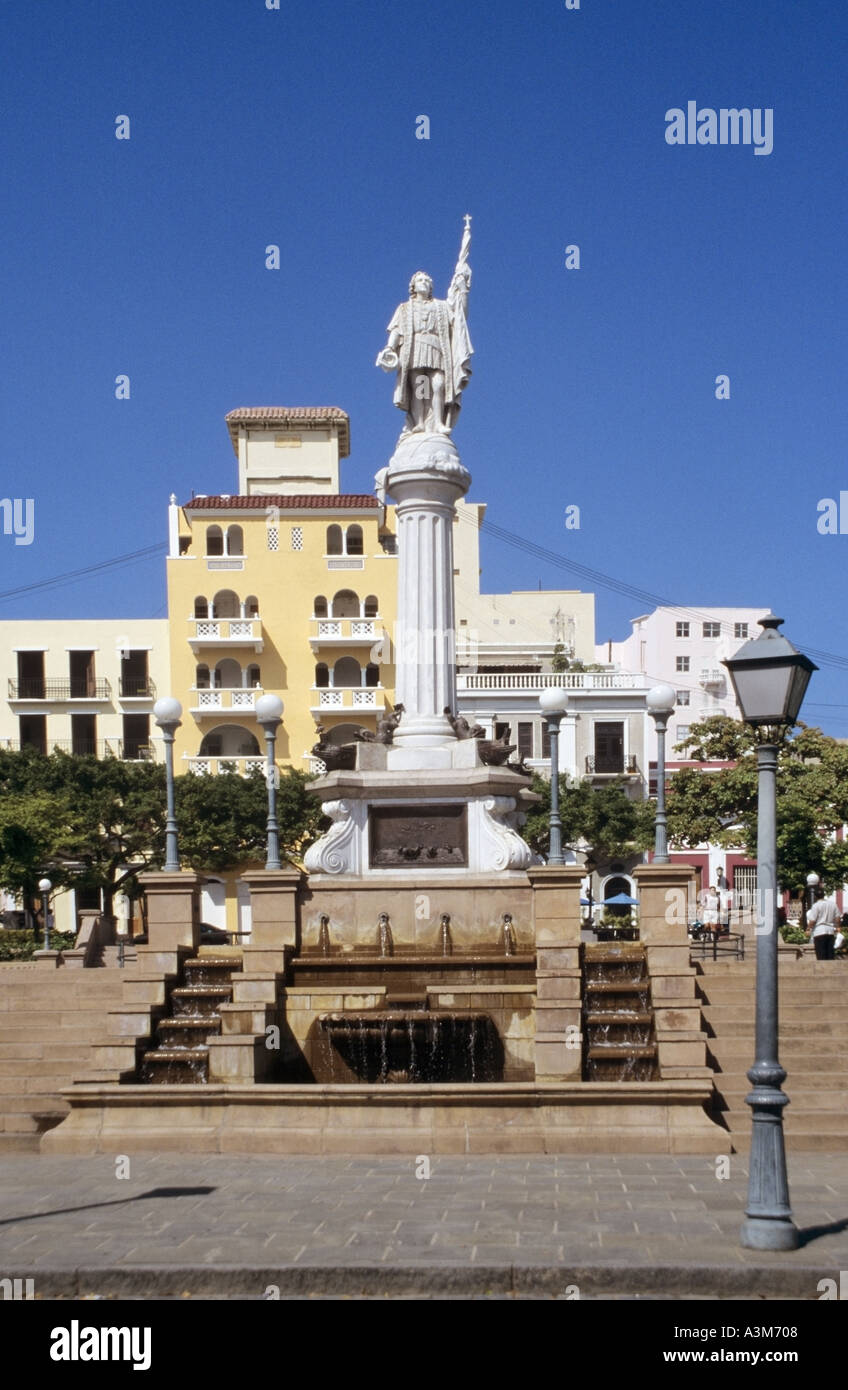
(324, 935)
(447, 944)
(385, 936)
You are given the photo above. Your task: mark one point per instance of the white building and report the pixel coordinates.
(685, 648)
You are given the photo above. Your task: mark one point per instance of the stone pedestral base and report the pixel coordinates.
(452, 820)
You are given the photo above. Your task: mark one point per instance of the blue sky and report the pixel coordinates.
(593, 386)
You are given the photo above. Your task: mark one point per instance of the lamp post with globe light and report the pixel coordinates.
(660, 702)
(553, 704)
(269, 712)
(770, 678)
(44, 886)
(167, 712)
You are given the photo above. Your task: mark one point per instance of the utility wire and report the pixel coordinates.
(59, 579)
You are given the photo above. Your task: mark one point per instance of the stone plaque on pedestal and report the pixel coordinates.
(409, 836)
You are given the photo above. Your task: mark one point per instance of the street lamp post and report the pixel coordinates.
(813, 882)
(769, 678)
(269, 711)
(660, 702)
(45, 886)
(167, 713)
(553, 704)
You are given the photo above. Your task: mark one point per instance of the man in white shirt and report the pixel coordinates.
(822, 920)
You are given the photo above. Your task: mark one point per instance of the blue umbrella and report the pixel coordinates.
(621, 900)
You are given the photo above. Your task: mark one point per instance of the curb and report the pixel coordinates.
(718, 1281)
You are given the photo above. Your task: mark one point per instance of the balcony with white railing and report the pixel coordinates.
(225, 632)
(234, 700)
(344, 632)
(346, 698)
(712, 677)
(210, 767)
(533, 681)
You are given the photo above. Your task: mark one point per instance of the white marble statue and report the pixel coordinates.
(430, 349)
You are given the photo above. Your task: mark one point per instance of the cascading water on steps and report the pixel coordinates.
(181, 1054)
(618, 1016)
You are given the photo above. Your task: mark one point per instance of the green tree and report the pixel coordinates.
(721, 805)
(222, 820)
(559, 660)
(605, 817)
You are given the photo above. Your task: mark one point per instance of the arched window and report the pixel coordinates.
(612, 888)
(319, 606)
(225, 604)
(229, 741)
(228, 675)
(343, 733)
(214, 540)
(354, 540)
(254, 677)
(235, 540)
(322, 675)
(334, 540)
(371, 607)
(251, 606)
(347, 672)
(372, 674)
(201, 677)
(346, 604)
(201, 607)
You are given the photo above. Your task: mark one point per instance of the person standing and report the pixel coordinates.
(822, 920)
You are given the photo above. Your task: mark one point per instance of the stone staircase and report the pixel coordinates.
(48, 1019)
(813, 1047)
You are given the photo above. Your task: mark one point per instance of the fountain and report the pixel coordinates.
(618, 1015)
(447, 944)
(181, 1054)
(384, 935)
(407, 1041)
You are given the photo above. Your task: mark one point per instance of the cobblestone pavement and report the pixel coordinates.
(212, 1225)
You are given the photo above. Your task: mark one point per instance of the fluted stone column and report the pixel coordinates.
(425, 478)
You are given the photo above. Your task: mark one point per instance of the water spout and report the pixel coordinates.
(324, 935)
(447, 944)
(508, 935)
(385, 936)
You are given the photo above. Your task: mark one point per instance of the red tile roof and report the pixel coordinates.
(271, 415)
(287, 502)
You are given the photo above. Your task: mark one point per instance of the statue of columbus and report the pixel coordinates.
(430, 349)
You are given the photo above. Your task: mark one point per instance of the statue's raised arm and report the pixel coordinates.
(429, 348)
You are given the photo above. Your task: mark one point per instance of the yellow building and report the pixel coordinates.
(287, 587)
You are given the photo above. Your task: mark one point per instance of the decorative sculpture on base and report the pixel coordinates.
(430, 349)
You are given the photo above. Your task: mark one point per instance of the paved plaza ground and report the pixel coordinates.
(202, 1226)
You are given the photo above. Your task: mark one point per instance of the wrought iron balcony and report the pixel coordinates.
(611, 766)
(41, 688)
(136, 688)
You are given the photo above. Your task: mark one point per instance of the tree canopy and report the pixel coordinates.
(721, 805)
(604, 817)
(99, 822)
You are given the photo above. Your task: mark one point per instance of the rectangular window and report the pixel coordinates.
(609, 747)
(30, 676)
(272, 534)
(683, 697)
(502, 731)
(681, 663)
(134, 678)
(712, 629)
(83, 735)
(82, 675)
(525, 741)
(546, 740)
(682, 630)
(745, 886)
(33, 732)
(682, 732)
(297, 538)
(740, 630)
(136, 743)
